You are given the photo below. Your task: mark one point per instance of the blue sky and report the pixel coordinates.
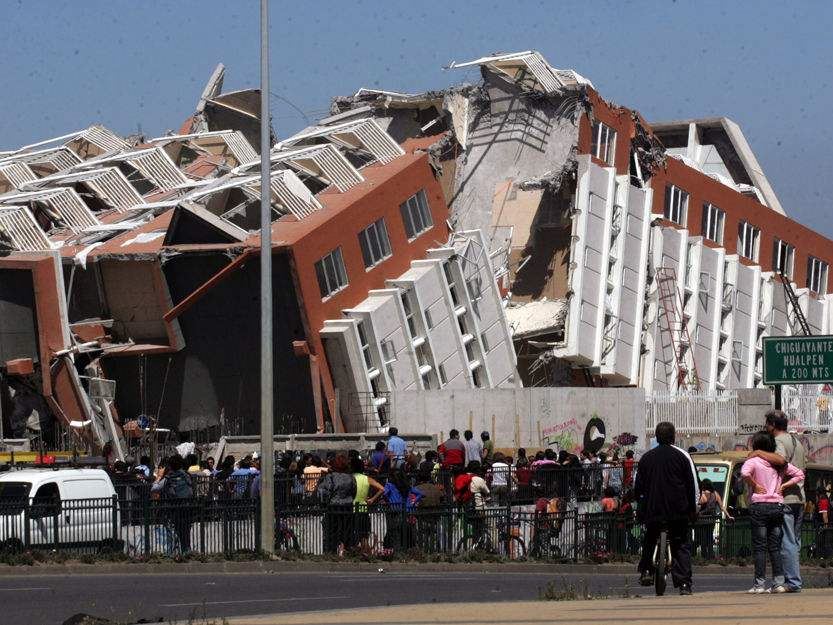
(768, 66)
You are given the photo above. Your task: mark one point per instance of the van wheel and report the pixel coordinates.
(11, 545)
(111, 545)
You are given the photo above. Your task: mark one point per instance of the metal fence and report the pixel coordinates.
(227, 526)
(808, 406)
(693, 413)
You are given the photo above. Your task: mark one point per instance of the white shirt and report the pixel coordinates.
(480, 490)
(500, 474)
(474, 450)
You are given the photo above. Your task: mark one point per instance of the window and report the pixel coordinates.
(388, 351)
(470, 355)
(817, 275)
(443, 376)
(416, 215)
(603, 142)
(485, 342)
(452, 287)
(476, 378)
(783, 258)
(375, 243)
(749, 239)
(331, 274)
(676, 205)
(368, 357)
(428, 321)
(409, 315)
(713, 221)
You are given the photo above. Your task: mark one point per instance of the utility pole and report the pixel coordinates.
(267, 454)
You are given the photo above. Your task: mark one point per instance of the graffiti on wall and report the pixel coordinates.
(562, 435)
(575, 435)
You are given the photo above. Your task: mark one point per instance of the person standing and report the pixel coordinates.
(337, 492)
(788, 450)
(666, 493)
(176, 494)
(501, 478)
(767, 512)
(627, 466)
(474, 448)
(452, 452)
(396, 448)
(362, 502)
(488, 447)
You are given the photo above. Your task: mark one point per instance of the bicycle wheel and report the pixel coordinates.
(513, 548)
(286, 541)
(660, 564)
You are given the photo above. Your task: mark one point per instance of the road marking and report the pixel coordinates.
(24, 589)
(235, 601)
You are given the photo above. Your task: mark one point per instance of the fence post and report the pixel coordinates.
(204, 516)
(115, 518)
(146, 521)
(257, 521)
(55, 518)
(26, 534)
(575, 534)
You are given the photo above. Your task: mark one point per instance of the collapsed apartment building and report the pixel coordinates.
(630, 253)
(129, 280)
(520, 230)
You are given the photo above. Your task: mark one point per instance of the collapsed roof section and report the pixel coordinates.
(530, 70)
(228, 144)
(363, 140)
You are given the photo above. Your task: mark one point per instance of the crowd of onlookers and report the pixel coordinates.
(464, 471)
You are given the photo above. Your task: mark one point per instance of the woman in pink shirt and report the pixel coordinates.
(766, 511)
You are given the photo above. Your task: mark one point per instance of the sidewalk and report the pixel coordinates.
(811, 607)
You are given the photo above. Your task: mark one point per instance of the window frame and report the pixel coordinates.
(676, 203)
(777, 247)
(375, 233)
(714, 218)
(603, 142)
(817, 273)
(339, 272)
(749, 241)
(416, 206)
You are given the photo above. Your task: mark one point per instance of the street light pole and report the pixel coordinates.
(267, 454)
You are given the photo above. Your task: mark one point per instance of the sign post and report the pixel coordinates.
(797, 360)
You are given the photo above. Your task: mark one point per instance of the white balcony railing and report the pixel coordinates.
(693, 413)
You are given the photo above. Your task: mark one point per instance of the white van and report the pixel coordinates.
(65, 507)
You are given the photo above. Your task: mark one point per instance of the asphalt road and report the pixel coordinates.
(50, 599)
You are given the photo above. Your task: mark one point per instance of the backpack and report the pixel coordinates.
(462, 488)
(178, 486)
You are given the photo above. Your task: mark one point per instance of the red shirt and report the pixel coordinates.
(452, 452)
(628, 471)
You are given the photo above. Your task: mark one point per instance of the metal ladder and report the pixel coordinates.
(793, 301)
(676, 328)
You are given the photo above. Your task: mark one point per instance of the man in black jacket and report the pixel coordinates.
(666, 493)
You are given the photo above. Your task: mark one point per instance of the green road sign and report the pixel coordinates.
(798, 359)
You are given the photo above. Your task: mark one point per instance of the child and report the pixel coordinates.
(766, 512)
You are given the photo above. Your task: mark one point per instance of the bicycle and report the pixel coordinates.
(285, 538)
(477, 536)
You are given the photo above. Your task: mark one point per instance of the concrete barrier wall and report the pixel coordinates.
(561, 418)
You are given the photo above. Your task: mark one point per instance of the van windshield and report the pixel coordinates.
(717, 473)
(13, 496)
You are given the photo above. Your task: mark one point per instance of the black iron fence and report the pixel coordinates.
(224, 526)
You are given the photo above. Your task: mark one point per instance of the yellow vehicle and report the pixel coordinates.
(723, 469)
